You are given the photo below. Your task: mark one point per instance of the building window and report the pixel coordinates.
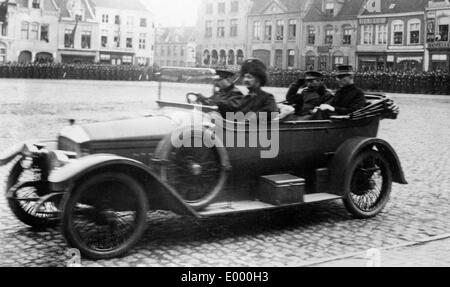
(337, 61)
(175, 51)
(129, 40)
(292, 30)
(381, 34)
(220, 28)
(233, 28)
(117, 20)
(25, 28)
(162, 51)
(208, 29)
(329, 36)
(44, 32)
(234, 6)
(34, 31)
(143, 22)
(209, 8)
(443, 33)
(117, 39)
(182, 51)
(68, 38)
(257, 30)
(367, 38)
(36, 4)
(104, 38)
(311, 35)
(86, 39)
(169, 51)
(279, 58)
(397, 32)
(280, 30)
(414, 32)
(323, 62)
(221, 8)
(310, 62)
(105, 18)
(142, 41)
(268, 31)
(347, 36)
(130, 21)
(291, 58)
(329, 9)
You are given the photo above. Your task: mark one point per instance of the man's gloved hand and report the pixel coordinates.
(326, 107)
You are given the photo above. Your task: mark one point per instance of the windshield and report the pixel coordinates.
(197, 80)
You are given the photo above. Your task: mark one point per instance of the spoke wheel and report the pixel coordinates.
(105, 216)
(24, 197)
(196, 173)
(369, 185)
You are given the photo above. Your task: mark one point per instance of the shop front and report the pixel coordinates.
(115, 58)
(390, 62)
(439, 56)
(77, 57)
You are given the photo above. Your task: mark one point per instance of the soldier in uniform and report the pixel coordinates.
(228, 97)
(348, 98)
(309, 98)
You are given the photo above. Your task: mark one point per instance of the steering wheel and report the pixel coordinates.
(195, 98)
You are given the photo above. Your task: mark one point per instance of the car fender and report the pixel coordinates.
(65, 179)
(347, 152)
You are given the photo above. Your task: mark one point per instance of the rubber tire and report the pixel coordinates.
(16, 208)
(206, 201)
(385, 192)
(72, 197)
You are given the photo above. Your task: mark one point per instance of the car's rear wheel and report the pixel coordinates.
(24, 189)
(196, 173)
(105, 216)
(368, 185)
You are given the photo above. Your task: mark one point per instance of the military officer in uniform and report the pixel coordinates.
(348, 98)
(309, 98)
(228, 97)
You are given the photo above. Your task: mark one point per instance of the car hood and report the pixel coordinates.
(121, 130)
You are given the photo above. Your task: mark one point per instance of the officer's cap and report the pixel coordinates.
(344, 70)
(312, 75)
(223, 74)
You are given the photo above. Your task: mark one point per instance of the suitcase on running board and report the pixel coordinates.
(281, 189)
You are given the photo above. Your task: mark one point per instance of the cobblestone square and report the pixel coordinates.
(39, 109)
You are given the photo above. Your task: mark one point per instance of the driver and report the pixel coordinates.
(228, 97)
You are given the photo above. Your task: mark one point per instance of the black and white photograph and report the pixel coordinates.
(224, 133)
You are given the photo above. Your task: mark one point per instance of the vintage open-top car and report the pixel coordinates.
(98, 181)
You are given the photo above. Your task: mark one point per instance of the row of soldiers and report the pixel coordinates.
(394, 82)
(77, 71)
(436, 83)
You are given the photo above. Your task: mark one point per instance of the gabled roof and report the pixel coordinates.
(121, 4)
(398, 6)
(63, 6)
(350, 10)
(175, 34)
(291, 6)
(48, 4)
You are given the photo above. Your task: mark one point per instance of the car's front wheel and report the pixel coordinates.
(105, 216)
(25, 188)
(368, 185)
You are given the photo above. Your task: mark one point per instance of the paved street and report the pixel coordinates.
(418, 211)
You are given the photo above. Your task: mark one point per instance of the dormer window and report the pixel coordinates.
(329, 9)
(36, 4)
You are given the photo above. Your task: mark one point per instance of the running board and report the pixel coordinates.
(223, 208)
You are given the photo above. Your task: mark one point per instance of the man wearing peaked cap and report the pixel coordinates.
(228, 97)
(257, 100)
(309, 98)
(348, 98)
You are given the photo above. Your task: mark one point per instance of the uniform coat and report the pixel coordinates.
(348, 99)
